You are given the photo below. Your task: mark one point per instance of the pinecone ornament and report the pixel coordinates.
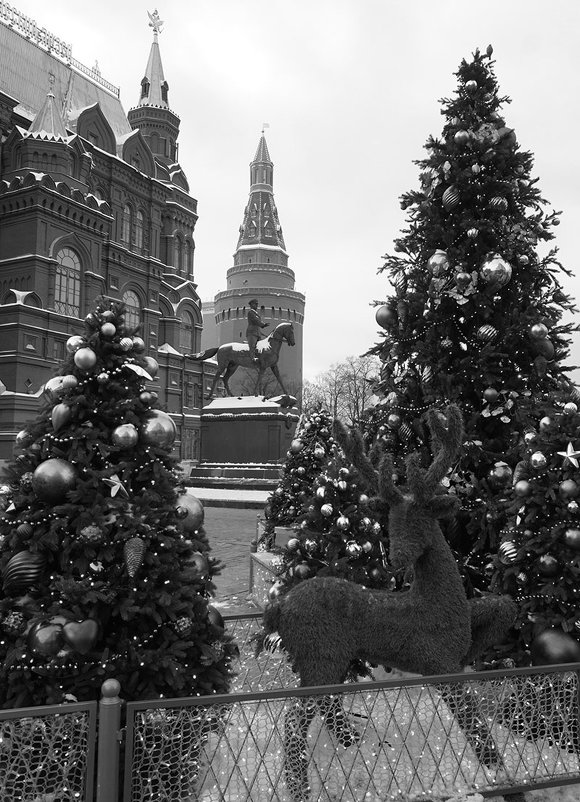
(133, 551)
(91, 534)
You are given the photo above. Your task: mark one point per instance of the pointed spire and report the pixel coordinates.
(154, 87)
(48, 123)
(261, 225)
(262, 154)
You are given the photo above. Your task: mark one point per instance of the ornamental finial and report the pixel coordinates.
(155, 22)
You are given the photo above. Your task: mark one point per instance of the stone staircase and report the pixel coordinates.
(246, 476)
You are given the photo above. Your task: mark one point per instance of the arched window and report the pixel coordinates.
(186, 333)
(139, 226)
(179, 254)
(126, 225)
(188, 257)
(67, 285)
(132, 309)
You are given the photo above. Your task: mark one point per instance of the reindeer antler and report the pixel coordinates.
(448, 439)
(387, 488)
(353, 447)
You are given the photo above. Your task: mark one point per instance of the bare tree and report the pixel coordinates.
(345, 389)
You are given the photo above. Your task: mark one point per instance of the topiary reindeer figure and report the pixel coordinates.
(326, 623)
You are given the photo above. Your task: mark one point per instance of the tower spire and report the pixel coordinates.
(261, 224)
(154, 87)
(48, 123)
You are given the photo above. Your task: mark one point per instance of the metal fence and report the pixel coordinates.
(401, 739)
(48, 753)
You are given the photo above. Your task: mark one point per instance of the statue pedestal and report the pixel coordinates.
(247, 429)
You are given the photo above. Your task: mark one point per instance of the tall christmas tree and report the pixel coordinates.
(104, 563)
(476, 315)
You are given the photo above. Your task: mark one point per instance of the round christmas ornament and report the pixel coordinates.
(462, 279)
(471, 87)
(108, 314)
(530, 438)
(472, 233)
(367, 546)
(353, 549)
(539, 331)
(145, 397)
(125, 436)
(60, 416)
(310, 545)
(553, 646)
(394, 421)
(194, 513)
(22, 438)
(103, 378)
(85, 359)
(24, 530)
(319, 452)
(296, 446)
(496, 271)
(320, 492)
(198, 561)
(498, 203)
(573, 507)
(507, 552)
(538, 460)
(108, 330)
(138, 345)
(342, 523)
(326, 510)
(275, 591)
(74, 343)
(293, 544)
(568, 488)
(302, 571)
(500, 475)
(133, 553)
(301, 470)
(151, 366)
(438, 263)
(545, 348)
(45, 638)
(522, 488)
(405, 431)
(363, 499)
(548, 565)
(342, 485)
(450, 198)
(159, 430)
(490, 394)
(461, 137)
(385, 316)
(572, 538)
(126, 343)
(22, 571)
(547, 424)
(570, 408)
(53, 479)
(487, 333)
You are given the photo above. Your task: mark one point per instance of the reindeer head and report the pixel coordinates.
(415, 509)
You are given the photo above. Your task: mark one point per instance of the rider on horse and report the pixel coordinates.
(253, 329)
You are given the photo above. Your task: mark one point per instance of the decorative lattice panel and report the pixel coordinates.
(372, 741)
(46, 757)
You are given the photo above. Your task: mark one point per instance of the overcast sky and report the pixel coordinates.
(350, 89)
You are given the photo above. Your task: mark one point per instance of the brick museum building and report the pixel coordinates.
(93, 203)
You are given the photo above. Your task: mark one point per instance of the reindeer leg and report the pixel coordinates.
(296, 724)
(471, 721)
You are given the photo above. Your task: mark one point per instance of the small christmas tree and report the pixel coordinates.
(476, 315)
(313, 445)
(104, 562)
(539, 557)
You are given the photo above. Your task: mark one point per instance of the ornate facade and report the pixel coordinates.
(261, 271)
(93, 202)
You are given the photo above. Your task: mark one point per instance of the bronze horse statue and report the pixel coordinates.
(230, 356)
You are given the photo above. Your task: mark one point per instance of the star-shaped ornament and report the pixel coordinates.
(116, 486)
(570, 456)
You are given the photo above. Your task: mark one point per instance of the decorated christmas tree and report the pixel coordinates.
(477, 311)
(310, 450)
(538, 561)
(341, 531)
(104, 563)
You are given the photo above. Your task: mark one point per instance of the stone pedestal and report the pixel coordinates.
(250, 429)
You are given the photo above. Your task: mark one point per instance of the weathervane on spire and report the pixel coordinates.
(155, 22)
(264, 126)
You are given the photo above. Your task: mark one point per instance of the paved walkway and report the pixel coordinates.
(230, 532)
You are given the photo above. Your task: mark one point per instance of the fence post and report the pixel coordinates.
(109, 744)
